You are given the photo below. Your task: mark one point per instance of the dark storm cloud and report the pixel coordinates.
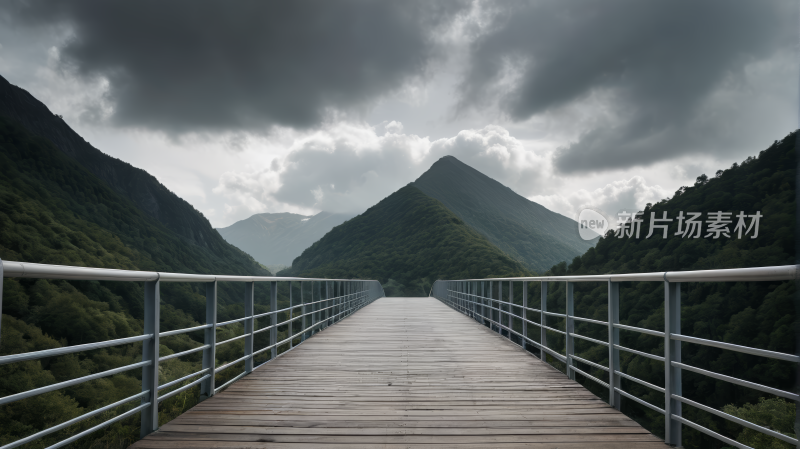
(656, 62)
(193, 65)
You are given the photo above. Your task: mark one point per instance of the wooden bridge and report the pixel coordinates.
(404, 372)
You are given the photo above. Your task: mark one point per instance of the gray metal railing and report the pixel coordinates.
(465, 297)
(350, 295)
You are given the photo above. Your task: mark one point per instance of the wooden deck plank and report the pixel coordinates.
(404, 372)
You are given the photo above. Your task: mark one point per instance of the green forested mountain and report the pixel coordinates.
(53, 210)
(406, 241)
(756, 314)
(139, 187)
(527, 231)
(276, 239)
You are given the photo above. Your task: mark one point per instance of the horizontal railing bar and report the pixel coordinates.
(70, 349)
(181, 354)
(35, 392)
(225, 323)
(774, 273)
(643, 354)
(554, 330)
(588, 376)
(590, 363)
(231, 339)
(639, 329)
(737, 420)
(264, 329)
(183, 388)
(710, 432)
(634, 398)
(639, 381)
(177, 381)
(238, 376)
(599, 342)
(555, 314)
(45, 271)
(589, 320)
(186, 330)
(14, 269)
(66, 424)
(738, 381)
(125, 415)
(230, 364)
(737, 348)
(531, 322)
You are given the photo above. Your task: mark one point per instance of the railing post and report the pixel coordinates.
(475, 300)
(305, 311)
(614, 397)
(328, 303)
(337, 301)
(483, 302)
(570, 328)
(491, 304)
(291, 315)
(543, 322)
(319, 306)
(672, 353)
(458, 296)
(313, 316)
(344, 299)
(463, 296)
(500, 307)
(524, 315)
(510, 308)
(249, 292)
(152, 311)
(1, 293)
(210, 338)
(273, 306)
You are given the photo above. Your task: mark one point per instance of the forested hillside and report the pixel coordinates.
(756, 314)
(527, 231)
(52, 210)
(139, 187)
(406, 241)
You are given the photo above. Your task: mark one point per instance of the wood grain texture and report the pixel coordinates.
(404, 372)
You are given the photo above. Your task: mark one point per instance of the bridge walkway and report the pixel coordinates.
(404, 372)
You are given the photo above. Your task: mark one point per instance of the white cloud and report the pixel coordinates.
(630, 195)
(348, 168)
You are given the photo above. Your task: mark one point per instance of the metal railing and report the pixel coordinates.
(350, 296)
(464, 296)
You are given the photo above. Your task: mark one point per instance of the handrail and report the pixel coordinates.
(466, 297)
(338, 299)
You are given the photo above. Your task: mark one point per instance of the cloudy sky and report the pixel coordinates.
(302, 106)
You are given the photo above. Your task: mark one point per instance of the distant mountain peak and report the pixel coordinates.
(277, 238)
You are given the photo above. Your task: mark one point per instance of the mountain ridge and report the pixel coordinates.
(143, 189)
(275, 239)
(526, 230)
(406, 241)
